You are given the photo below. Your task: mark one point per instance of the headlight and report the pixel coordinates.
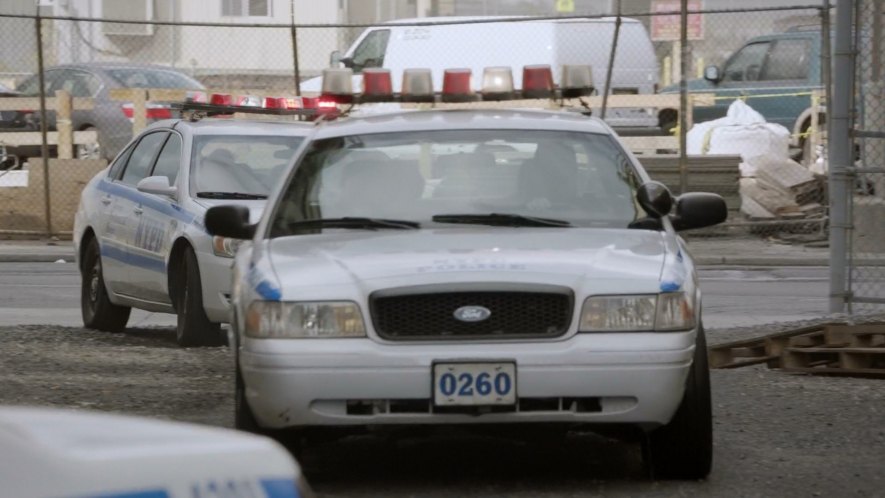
(660, 312)
(294, 320)
(224, 247)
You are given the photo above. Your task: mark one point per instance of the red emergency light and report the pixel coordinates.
(457, 85)
(537, 82)
(377, 85)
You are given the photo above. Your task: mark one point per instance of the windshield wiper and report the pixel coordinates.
(348, 222)
(500, 219)
(230, 195)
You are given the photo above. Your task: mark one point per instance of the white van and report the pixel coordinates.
(479, 42)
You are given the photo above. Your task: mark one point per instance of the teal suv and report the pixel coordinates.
(775, 74)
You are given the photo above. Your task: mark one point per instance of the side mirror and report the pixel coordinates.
(335, 58)
(157, 185)
(699, 210)
(655, 199)
(229, 221)
(711, 73)
(347, 62)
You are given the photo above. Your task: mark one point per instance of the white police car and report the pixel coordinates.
(473, 267)
(52, 453)
(139, 235)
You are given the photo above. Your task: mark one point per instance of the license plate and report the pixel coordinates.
(474, 384)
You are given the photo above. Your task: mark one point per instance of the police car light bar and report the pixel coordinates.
(417, 85)
(219, 104)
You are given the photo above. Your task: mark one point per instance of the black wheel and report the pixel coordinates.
(683, 449)
(98, 311)
(194, 327)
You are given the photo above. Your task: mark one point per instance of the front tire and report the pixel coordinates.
(683, 449)
(193, 328)
(98, 311)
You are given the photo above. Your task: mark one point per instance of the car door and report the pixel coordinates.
(129, 208)
(786, 73)
(157, 224)
(110, 225)
(740, 73)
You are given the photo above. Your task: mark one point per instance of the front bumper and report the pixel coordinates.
(620, 378)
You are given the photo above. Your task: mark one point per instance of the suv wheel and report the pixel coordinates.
(683, 449)
(193, 327)
(97, 310)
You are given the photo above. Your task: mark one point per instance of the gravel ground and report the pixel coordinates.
(775, 434)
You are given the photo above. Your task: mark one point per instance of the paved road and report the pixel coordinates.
(48, 293)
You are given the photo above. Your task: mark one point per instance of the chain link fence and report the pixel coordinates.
(867, 242)
(771, 59)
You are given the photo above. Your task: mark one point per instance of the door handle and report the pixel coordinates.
(138, 211)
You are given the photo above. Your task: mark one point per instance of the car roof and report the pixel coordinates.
(464, 119)
(113, 65)
(210, 126)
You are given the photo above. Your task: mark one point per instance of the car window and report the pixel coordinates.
(169, 160)
(119, 163)
(747, 63)
(77, 83)
(788, 60)
(142, 158)
(31, 86)
(582, 178)
(250, 164)
(370, 52)
(152, 78)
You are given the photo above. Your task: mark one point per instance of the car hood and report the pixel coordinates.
(608, 259)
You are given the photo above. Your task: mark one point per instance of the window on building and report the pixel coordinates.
(245, 8)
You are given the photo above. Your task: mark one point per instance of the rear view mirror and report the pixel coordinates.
(711, 73)
(229, 221)
(699, 210)
(335, 58)
(157, 185)
(655, 199)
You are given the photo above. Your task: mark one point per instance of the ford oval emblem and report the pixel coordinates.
(472, 313)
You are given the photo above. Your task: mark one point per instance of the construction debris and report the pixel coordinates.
(828, 349)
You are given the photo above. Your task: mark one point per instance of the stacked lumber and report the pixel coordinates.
(782, 190)
(828, 349)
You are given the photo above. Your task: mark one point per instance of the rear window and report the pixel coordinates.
(152, 78)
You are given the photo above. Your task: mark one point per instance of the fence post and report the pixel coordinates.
(44, 145)
(840, 156)
(139, 110)
(611, 63)
(683, 96)
(63, 124)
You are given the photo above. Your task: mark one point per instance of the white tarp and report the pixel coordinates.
(742, 131)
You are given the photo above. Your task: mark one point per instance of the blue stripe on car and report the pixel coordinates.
(167, 208)
(279, 488)
(146, 262)
(149, 493)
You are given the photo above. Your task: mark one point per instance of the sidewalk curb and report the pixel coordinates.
(36, 258)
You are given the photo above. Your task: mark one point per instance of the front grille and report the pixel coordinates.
(431, 315)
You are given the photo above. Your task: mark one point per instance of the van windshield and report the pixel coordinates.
(370, 52)
(432, 178)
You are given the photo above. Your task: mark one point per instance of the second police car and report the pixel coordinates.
(472, 266)
(139, 235)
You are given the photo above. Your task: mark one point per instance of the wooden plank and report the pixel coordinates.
(651, 143)
(837, 349)
(64, 125)
(33, 103)
(19, 138)
(844, 372)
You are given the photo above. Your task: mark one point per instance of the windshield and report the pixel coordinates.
(152, 78)
(441, 178)
(239, 164)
